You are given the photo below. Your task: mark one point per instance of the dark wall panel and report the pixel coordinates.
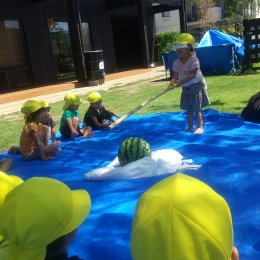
(95, 12)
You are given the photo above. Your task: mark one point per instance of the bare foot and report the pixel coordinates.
(191, 130)
(199, 131)
(88, 133)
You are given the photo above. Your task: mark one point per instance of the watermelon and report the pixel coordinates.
(133, 149)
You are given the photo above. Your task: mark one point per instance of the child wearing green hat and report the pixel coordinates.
(97, 116)
(43, 225)
(187, 74)
(35, 136)
(181, 218)
(70, 123)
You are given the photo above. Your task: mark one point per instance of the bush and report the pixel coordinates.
(164, 41)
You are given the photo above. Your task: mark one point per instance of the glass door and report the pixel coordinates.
(14, 71)
(61, 47)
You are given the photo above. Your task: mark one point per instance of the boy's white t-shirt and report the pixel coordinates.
(184, 70)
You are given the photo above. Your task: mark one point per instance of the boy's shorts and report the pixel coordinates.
(66, 132)
(194, 97)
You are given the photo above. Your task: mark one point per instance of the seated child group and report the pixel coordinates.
(39, 125)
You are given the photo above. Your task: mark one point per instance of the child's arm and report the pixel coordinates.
(74, 132)
(174, 79)
(113, 113)
(39, 145)
(53, 136)
(192, 75)
(103, 125)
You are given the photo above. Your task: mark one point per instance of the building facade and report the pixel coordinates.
(43, 41)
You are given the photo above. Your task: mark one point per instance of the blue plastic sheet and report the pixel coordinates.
(228, 151)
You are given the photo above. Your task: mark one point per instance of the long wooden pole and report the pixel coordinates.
(120, 120)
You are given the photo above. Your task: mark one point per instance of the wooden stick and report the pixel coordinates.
(120, 120)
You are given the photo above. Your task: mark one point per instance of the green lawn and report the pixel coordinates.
(226, 93)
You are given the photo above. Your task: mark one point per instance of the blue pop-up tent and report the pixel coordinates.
(219, 53)
(216, 38)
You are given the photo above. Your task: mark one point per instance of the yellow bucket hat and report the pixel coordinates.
(31, 106)
(181, 218)
(45, 104)
(71, 99)
(184, 39)
(38, 212)
(7, 183)
(93, 97)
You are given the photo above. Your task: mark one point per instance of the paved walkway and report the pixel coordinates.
(12, 102)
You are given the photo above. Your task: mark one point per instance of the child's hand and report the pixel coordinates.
(179, 82)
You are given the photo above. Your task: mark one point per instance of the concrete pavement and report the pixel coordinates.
(13, 106)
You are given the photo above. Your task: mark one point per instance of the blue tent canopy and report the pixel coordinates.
(219, 53)
(215, 38)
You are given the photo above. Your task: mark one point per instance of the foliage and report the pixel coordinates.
(202, 7)
(164, 41)
(236, 12)
(227, 94)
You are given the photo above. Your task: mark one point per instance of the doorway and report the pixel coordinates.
(127, 41)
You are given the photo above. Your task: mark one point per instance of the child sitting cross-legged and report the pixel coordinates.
(34, 139)
(97, 116)
(70, 124)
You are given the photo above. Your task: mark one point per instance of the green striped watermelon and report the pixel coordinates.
(133, 149)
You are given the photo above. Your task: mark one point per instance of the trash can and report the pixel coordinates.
(94, 64)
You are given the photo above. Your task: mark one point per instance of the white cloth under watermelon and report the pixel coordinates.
(160, 162)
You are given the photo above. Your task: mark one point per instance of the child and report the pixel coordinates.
(251, 112)
(69, 126)
(187, 74)
(34, 139)
(181, 218)
(7, 183)
(50, 122)
(97, 115)
(39, 217)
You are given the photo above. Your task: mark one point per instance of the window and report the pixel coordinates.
(166, 14)
(11, 45)
(87, 43)
(13, 66)
(61, 47)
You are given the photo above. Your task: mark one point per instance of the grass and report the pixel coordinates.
(226, 93)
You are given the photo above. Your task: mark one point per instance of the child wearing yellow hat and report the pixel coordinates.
(35, 225)
(35, 136)
(97, 116)
(7, 183)
(70, 123)
(181, 218)
(187, 74)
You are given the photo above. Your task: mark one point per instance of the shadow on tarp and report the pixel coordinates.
(229, 154)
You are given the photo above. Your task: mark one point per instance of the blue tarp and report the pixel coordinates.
(219, 53)
(216, 38)
(228, 152)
